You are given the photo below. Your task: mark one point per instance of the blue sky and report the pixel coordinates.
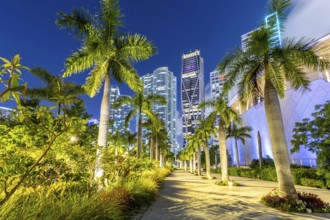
(174, 26)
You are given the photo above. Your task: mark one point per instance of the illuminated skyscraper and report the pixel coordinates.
(163, 82)
(118, 115)
(217, 81)
(271, 21)
(192, 91)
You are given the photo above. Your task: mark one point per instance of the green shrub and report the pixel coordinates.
(299, 173)
(48, 204)
(312, 183)
(266, 162)
(268, 174)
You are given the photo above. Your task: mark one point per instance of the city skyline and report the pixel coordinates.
(40, 42)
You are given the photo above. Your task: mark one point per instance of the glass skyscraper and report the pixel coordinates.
(163, 82)
(272, 22)
(118, 115)
(192, 92)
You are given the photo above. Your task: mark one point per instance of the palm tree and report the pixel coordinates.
(156, 128)
(195, 142)
(224, 115)
(263, 70)
(11, 83)
(238, 133)
(57, 90)
(141, 105)
(105, 52)
(192, 148)
(204, 131)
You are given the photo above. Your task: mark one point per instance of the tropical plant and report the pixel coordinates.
(10, 73)
(140, 104)
(204, 131)
(107, 52)
(238, 133)
(263, 70)
(56, 90)
(313, 134)
(194, 145)
(223, 115)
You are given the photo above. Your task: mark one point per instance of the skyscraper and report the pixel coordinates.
(118, 115)
(217, 81)
(272, 22)
(163, 82)
(192, 91)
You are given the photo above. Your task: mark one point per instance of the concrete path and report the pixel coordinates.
(185, 196)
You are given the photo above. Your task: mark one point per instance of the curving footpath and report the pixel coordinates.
(185, 196)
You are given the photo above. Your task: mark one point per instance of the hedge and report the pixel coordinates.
(301, 176)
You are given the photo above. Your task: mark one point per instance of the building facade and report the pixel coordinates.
(217, 80)
(163, 82)
(272, 22)
(192, 92)
(118, 115)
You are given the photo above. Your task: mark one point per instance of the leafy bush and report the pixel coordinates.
(312, 183)
(56, 203)
(268, 174)
(266, 162)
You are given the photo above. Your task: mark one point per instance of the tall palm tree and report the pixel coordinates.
(57, 90)
(141, 105)
(204, 131)
(223, 115)
(154, 127)
(195, 142)
(106, 52)
(238, 133)
(192, 148)
(263, 70)
(11, 82)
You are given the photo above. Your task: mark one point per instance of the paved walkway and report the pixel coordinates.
(185, 196)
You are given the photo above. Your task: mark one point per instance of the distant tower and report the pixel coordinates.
(163, 82)
(217, 81)
(271, 21)
(118, 115)
(192, 92)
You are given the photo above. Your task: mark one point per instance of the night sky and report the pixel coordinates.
(174, 26)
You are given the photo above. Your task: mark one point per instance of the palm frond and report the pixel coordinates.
(42, 74)
(78, 22)
(122, 100)
(134, 47)
(78, 62)
(124, 72)
(111, 17)
(95, 80)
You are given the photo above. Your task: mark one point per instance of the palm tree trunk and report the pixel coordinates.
(194, 161)
(139, 149)
(157, 150)
(278, 142)
(223, 154)
(199, 161)
(190, 164)
(103, 126)
(207, 160)
(151, 149)
(259, 150)
(237, 156)
(185, 165)
(160, 159)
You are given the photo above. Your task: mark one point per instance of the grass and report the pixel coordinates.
(76, 202)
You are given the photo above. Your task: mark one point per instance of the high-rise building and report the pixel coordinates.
(192, 92)
(118, 115)
(163, 82)
(5, 111)
(271, 21)
(217, 80)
